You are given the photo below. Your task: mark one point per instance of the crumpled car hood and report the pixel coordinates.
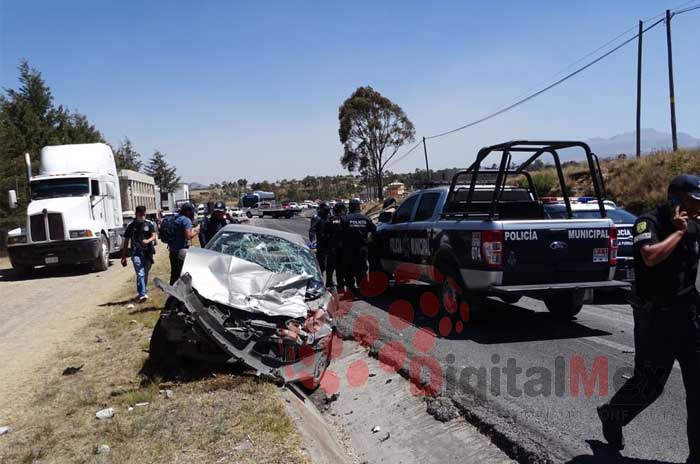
(245, 285)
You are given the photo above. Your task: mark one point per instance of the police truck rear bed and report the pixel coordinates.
(477, 239)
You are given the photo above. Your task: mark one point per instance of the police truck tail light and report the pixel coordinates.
(492, 248)
(613, 246)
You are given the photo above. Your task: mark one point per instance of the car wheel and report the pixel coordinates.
(161, 351)
(321, 363)
(564, 305)
(249, 215)
(102, 261)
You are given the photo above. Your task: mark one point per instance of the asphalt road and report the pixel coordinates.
(537, 407)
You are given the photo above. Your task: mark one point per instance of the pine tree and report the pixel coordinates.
(29, 121)
(164, 175)
(126, 157)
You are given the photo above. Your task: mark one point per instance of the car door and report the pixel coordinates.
(419, 233)
(395, 249)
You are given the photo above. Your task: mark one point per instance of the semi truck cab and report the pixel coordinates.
(74, 215)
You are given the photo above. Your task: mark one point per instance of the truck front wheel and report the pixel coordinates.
(564, 305)
(102, 261)
(23, 271)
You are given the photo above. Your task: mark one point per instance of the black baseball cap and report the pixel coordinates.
(220, 206)
(685, 183)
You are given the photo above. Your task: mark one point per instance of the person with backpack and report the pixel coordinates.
(177, 231)
(140, 238)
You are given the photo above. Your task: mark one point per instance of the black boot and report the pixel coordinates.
(611, 431)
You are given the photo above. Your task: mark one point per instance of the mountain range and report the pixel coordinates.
(651, 139)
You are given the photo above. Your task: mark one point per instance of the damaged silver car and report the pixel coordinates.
(255, 296)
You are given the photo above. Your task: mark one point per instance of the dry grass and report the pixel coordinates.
(215, 418)
(637, 184)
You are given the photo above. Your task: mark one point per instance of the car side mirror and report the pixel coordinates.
(385, 217)
(12, 198)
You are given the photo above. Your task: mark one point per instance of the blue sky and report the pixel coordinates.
(251, 89)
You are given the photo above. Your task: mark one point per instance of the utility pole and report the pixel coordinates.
(672, 96)
(639, 89)
(427, 169)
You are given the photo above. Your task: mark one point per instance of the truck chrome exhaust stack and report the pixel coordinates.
(28, 162)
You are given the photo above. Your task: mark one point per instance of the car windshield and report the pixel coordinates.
(273, 253)
(61, 187)
(618, 216)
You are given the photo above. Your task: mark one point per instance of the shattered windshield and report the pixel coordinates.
(273, 253)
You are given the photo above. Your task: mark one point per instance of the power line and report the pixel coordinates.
(563, 79)
(549, 87)
(405, 154)
(694, 7)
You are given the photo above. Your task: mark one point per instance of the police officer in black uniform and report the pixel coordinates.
(213, 223)
(318, 234)
(335, 248)
(665, 303)
(356, 231)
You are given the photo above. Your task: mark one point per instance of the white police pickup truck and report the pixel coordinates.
(478, 238)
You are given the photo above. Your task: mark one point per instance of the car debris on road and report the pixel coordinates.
(255, 296)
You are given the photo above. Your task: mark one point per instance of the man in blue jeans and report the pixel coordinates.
(140, 237)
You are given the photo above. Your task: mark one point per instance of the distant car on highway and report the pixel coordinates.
(236, 212)
(584, 208)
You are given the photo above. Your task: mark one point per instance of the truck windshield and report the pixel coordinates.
(249, 201)
(61, 187)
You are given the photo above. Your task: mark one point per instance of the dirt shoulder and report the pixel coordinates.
(37, 314)
(211, 416)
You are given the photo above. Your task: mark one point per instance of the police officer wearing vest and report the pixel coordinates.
(213, 223)
(334, 262)
(356, 231)
(318, 234)
(665, 303)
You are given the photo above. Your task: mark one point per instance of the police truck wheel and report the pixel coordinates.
(102, 261)
(456, 302)
(564, 305)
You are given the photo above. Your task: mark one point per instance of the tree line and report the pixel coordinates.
(30, 120)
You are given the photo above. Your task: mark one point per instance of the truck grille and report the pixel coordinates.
(56, 227)
(38, 227)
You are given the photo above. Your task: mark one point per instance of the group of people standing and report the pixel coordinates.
(341, 238)
(175, 231)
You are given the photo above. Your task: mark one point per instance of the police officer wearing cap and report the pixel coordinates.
(213, 223)
(356, 232)
(318, 234)
(665, 303)
(334, 262)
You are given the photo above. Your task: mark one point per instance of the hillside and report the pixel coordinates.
(637, 184)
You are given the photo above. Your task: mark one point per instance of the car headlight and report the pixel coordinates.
(16, 239)
(80, 233)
